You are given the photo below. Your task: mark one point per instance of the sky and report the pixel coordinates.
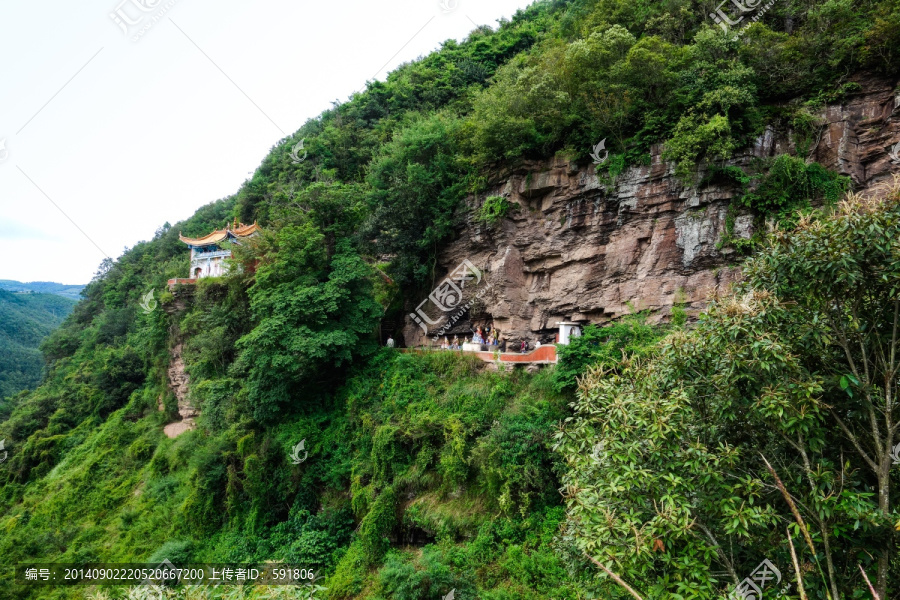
(117, 116)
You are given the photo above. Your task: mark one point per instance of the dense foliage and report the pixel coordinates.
(781, 190)
(557, 78)
(437, 456)
(773, 422)
(605, 347)
(25, 320)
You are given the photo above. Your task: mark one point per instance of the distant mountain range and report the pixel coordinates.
(43, 287)
(25, 320)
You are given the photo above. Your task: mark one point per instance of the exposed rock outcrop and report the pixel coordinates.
(579, 250)
(178, 383)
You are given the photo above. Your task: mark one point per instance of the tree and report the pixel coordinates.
(312, 311)
(778, 410)
(417, 182)
(843, 274)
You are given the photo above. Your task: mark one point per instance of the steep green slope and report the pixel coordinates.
(421, 464)
(25, 320)
(424, 475)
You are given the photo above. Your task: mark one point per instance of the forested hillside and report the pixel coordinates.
(72, 292)
(25, 320)
(653, 462)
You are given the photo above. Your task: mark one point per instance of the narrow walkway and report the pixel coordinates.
(545, 355)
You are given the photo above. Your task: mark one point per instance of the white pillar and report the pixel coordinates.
(567, 331)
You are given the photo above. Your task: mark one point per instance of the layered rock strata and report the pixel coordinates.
(580, 250)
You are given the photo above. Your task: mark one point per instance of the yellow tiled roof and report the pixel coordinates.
(238, 230)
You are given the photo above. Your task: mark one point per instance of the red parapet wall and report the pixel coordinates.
(174, 282)
(542, 355)
(545, 355)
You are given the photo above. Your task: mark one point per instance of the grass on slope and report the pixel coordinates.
(424, 475)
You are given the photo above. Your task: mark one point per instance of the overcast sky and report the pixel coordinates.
(107, 138)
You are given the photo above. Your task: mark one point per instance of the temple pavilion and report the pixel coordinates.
(207, 254)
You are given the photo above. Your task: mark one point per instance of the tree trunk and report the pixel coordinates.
(884, 490)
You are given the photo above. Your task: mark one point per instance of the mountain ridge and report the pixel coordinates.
(25, 320)
(43, 287)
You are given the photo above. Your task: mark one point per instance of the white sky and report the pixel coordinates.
(123, 136)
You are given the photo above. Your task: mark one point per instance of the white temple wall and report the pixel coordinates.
(209, 264)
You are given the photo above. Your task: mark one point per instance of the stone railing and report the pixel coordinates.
(214, 254)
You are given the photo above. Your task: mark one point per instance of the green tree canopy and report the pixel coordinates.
(670, 481)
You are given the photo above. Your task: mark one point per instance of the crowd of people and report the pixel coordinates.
(482, 336)
(487, 335)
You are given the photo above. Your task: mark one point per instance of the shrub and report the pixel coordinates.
(178, 552)
(494, 210)
(377, 525)
(515, 463)
(791, 183)
(696, 138)
(424, 579)
(604, 346)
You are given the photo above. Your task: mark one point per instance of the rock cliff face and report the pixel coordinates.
(179, 382)
(578, 250)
